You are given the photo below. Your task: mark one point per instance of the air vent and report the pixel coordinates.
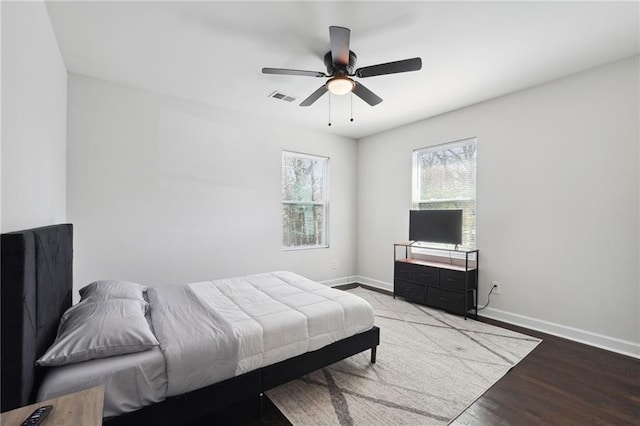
(282, 96)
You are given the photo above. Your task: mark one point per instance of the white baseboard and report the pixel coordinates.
(339, 281)
(373, 283)
(613, 344)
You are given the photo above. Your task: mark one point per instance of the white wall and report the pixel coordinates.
(557, 208)
(163, 190)
(34, 119)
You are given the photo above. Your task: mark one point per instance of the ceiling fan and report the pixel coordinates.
(340, 62)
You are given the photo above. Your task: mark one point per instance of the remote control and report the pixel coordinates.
(38, 416)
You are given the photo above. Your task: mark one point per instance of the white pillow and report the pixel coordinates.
(101, 329)
(113, 289)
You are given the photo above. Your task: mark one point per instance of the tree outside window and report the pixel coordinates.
(304, 201)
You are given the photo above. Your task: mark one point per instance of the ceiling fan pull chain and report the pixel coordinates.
(351, 107)
(329, 109)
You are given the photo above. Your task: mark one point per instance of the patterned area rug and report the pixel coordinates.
(430, 367)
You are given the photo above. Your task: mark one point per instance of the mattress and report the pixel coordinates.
(131, 381)
(262, 319)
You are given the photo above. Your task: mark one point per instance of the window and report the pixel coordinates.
(304, 201)
(444, 177)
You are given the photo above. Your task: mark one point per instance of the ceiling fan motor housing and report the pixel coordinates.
(340, 70)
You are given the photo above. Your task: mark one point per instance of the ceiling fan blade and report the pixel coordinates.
(314, 96)
(413, 64)
(339, 37)
(285, 71)
(366, 95)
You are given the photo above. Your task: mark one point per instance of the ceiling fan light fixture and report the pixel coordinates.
(340, 85)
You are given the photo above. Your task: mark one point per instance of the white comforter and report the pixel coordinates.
(279, 315)
(251, 322)
(210, 331)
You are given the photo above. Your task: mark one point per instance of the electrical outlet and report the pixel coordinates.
(335, 263)
(497, 287)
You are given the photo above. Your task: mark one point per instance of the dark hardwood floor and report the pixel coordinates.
(560, 382)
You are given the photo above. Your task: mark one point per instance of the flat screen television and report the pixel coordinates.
(436, 226)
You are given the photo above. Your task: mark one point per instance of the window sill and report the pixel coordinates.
(304, 248)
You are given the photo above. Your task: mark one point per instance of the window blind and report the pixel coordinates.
(444, 177)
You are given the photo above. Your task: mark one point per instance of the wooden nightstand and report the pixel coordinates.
(79, 408)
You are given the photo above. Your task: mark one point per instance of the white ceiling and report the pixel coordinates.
(213, 52)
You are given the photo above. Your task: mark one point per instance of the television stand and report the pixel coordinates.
(442, 278)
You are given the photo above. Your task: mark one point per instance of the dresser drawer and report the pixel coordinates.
(427, 274)
(453, 280)
(450, 300)
(405, 271)
(409, 290)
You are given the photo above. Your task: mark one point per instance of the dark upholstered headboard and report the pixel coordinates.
(36, 289)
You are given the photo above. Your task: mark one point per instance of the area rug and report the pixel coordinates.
(430, 367)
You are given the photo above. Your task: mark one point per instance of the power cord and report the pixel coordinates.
(488, 297)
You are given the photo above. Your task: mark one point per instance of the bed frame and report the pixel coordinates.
(36, 289)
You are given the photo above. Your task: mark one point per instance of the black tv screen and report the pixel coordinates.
(436, 226)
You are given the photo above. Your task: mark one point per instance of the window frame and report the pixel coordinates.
(324, 203)
(416, 187)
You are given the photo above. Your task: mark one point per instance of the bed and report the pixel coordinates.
(36, 291)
